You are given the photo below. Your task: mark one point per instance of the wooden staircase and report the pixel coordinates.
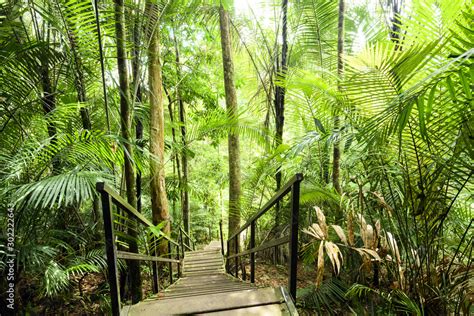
(205, 288)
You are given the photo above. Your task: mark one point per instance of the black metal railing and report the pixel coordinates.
(221, 234)
(109, 198)
(292, 186)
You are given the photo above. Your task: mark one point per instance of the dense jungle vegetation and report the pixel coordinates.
(198, 111)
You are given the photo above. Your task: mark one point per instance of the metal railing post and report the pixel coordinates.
(222, 237)
(252, 255)
(110, 250)
(179, 259)
(236, 249)
(154, 268)
(181, 242)
(227, 263)
(170, 265)
(293, 264)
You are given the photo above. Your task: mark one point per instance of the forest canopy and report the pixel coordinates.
(198, 111)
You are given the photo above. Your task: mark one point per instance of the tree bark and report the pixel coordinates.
(126, 126)
(176, 156)
(184, 156)
(280, 99)
(49, 104)
(137, 88)
(159, 200)
(233, 137)
(340, 71)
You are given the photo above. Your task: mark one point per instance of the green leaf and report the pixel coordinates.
(421, 115)
(404, 117)
(429, 105)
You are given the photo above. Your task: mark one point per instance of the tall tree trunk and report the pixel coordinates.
(159, 200)
(184, 155)
(49, 91)
(395, 26)
(137, 88)
(340, 71)
(280, 98)
(80, 84)
(49, 104)
(233, 137)
(126, 126)
(176, 156)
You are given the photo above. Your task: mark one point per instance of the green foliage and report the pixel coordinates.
(329, 298)
(405, 107)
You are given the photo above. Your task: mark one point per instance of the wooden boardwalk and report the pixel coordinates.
(205, 288)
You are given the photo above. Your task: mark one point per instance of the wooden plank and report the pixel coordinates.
(203, 273)
(204, 254)
(209, 303)
(137, 256)
(192, 287)
(273, 243)
(270, 309)
(185, 290)
(218, 277)
(202, 262)
(169, 296)
(198, 269)
(202, 258)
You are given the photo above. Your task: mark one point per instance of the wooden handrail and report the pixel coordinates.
(124, 205)
(270, 244)
(293, 186)
(120, 202)
(109, 197)
(189, 238)
(275, 198)
(136, 256)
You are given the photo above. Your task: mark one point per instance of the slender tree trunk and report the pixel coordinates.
(126, 126)
(171, 111)
(184, 156)
(396, 22)
(137, 88)
(49, 91)
(184, 167)
(280, 99)
(176, 157)
(48, 99)
(159, 200)
(340, 71)
(233, 137)
(80, 85)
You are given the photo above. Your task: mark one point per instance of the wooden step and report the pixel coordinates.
(207, 303)
(204, 268)
(202, 262)
(200, 253)
(202, 272)
(200, 292)
(264, 310)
